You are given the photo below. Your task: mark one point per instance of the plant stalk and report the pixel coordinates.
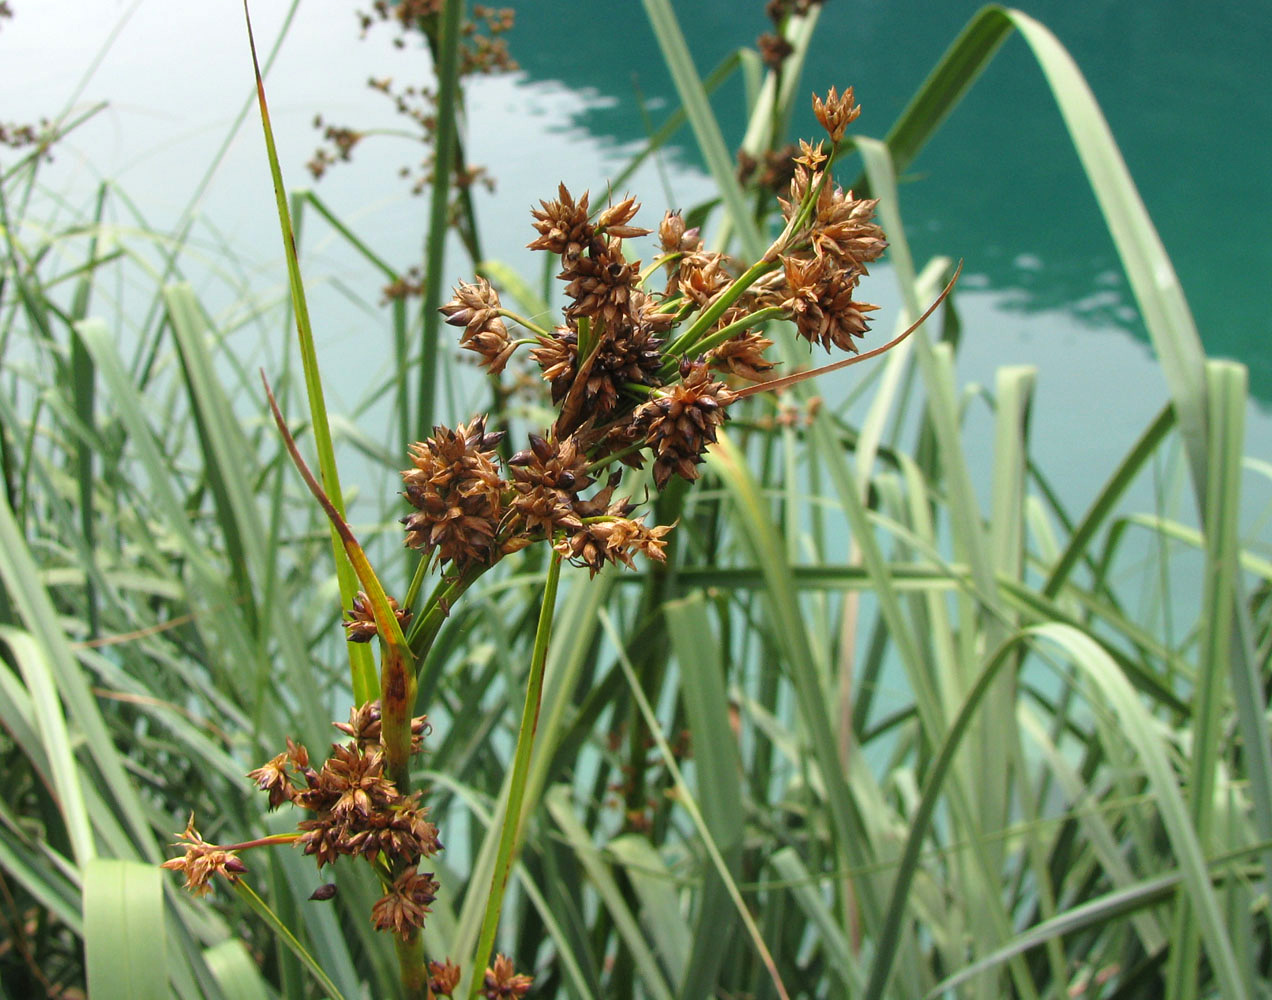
(510, 835)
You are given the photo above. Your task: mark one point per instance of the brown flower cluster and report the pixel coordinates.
(500, 981)
(201, 860)
(360, 625)
(628, 388)
(359, 812)
(773, 46)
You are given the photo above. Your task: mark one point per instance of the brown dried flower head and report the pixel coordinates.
(681, 423)
(202, 860)
(674, 237)
(360, 811)
(403, 908)
(629, 353)
(502, 980)
(548, 478)
(363, 727)
(562, 225)
(361, 627)
(443, 977)
(608, 534)
(613, 221)
(457, 492)
(774, 49)
(810, 156)
(835, 113)
(819, 299)
(743, 356)
(842, 227)
(601, 283)
(476, 307)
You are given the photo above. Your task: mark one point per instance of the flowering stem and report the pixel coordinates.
(688, 341)
(270, 841)
(747, 321)
(289, 939)
(425, 628)
(410, 954)
(509, 836)
(523, 321)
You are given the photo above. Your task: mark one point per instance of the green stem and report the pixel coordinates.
(730, 331)
(688, 340)
(439, 208)
(410, 955)
(522, 321)
(509, 836)
(246, 893)
(425, 627)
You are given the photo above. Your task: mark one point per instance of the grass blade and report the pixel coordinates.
(124, 933)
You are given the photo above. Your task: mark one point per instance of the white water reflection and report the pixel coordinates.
(178, 73)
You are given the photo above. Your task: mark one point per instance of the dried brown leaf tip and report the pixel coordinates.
(202, 860)
(835, 113)
(502, 981)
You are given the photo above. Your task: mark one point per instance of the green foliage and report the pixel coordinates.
(993, 749)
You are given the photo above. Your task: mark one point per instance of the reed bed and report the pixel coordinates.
(861, 734)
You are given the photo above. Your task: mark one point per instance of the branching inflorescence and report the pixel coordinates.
(629, 389)
(639, 377)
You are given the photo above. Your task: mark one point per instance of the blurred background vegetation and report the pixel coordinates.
(959, 674)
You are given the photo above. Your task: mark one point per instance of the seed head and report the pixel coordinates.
(679, 425)
(403, 909)
(443, 977)
(613, 221)
(457, 492)
(835, 113)
(675, 238)
(819, 300)
(361, 627)
(548, 478)
(562, 225)
(601, 283)
(202, 860)
(502, 981)
(475, 307)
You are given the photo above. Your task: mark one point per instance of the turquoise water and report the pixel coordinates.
(999, 187)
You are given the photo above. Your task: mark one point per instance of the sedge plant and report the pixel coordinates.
(641, 378)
